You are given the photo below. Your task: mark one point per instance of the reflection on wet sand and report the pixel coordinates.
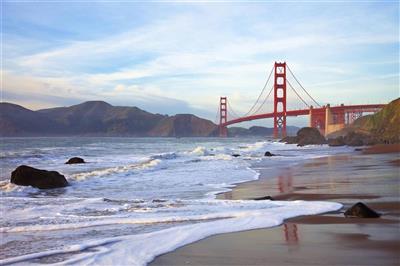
(285, 186)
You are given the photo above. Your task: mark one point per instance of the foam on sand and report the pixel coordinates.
(142, 248)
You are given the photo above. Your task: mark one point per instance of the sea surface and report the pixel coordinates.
(137, 198)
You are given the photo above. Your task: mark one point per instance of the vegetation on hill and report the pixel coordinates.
(381, 127)
(384, 126)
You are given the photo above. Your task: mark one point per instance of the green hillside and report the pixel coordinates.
(384, 126)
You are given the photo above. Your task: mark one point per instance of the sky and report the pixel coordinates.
(181, 56)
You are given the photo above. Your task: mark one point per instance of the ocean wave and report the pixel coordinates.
(147, 164)
(140, 249)
(165, 156)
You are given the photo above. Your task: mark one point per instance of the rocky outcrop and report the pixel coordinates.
(306, 136)
(339, 141)
(28, 176)
(75, 160)
(362, 211)
(289, 140)
(268, 154)
(358, 139)
(352, 139)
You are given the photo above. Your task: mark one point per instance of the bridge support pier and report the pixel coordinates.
(280, 99)
(223, 116)
(333, 121)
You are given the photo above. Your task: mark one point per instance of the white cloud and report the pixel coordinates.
(195, 56)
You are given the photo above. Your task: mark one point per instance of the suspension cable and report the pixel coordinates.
(303, 87)
(216, 116)
(298, 95)
(259, 96)
(265, 100)
(230, 109)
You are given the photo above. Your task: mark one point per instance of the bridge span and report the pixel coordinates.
(326, 118)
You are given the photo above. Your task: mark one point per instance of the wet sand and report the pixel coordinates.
(329, 239)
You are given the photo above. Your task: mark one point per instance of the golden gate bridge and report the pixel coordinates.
(326, 118)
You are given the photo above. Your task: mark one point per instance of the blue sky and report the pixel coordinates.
(179, 57)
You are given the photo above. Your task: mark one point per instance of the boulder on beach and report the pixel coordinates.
(268, 154)
(309, 136)
(264, 198)
(28, 176)
(306, 136)
(339, 141)
(75, 160)
(362, 211)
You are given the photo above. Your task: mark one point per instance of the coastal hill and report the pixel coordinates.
(381, 127)
(101, 118)
(16, 120)
(183, 125)
(98, 118)
(384, 125)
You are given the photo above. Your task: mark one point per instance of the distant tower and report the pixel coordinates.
(280, 99)
(223, 117)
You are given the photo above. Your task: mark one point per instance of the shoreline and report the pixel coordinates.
(326, 239)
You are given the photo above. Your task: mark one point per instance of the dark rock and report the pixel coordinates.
(358, 139)
(264, 198)
(339, 141)
(309, 136)
(159, 200)
(28, 176)
(75, 160)
(235, 155)
(361, 210)
(268, 154)
(354, 139)
(289, 140)
(306, 136)
(358, 149)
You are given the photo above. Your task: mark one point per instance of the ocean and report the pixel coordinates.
(137, 198)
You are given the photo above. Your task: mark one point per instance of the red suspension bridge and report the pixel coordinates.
(326, 118)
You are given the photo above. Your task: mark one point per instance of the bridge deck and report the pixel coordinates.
(334, 109)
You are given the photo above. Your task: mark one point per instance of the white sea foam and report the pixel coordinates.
(166, 190)
(142, 248)
(145, 164)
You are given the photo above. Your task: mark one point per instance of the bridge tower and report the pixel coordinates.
(223, 116)
(280, 99)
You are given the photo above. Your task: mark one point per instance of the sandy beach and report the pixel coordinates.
(370, 176)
